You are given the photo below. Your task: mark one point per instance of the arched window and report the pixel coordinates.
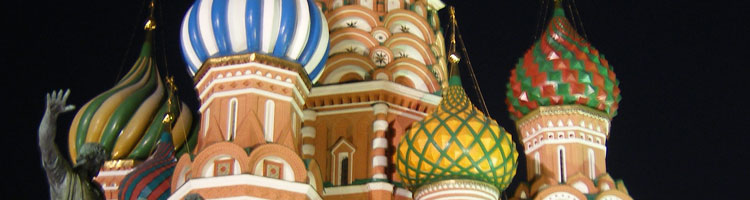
(268, 128)
(561, 164)
(232, 120)
(592, 164)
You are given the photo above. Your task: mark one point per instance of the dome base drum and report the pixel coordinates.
(461, 188)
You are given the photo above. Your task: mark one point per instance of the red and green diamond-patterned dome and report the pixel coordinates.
(561, 68)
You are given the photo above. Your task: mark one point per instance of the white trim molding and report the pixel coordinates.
(244, 179)
(353, 189)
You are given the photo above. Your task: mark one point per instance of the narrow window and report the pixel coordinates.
(206, 119)
(537, 171)
(592, 165)
(344, 171)
(268, 129)
(232, 120)
(561, 162)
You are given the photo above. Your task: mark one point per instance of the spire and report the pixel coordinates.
(150, 23)
(149, 27)
(453, 57)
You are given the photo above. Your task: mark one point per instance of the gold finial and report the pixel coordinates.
(170, 83)
(150, 23)
(453, 56)
(169, 117)
(558, 3)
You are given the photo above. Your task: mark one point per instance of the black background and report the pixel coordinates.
(680, 133)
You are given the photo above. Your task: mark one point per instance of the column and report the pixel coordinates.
(379, 143)
(308, 133)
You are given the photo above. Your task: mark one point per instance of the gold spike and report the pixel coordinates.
(169, 117)
(150, 23)
(453, 56)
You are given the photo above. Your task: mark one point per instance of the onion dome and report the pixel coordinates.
(456, 141)
(151, 179)
(561, 68)
(127, 119)
(295, 30)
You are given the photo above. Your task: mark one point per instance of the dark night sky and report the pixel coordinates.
(678, 133)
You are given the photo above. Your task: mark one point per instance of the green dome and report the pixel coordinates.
(456, 141)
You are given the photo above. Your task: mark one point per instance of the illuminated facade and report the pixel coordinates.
(354, 99)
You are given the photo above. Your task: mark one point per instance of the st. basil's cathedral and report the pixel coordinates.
(351, 99)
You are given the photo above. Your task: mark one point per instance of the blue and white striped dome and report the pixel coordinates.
(294, 30)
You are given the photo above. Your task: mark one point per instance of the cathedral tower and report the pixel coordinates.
(386, 69)
(562, 95)
(253, 62)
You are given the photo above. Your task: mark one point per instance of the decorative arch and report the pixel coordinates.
(408, 45)
(287, 155)
(439, 44)
(364, 18)
(561, 192)
(314, 175)
(522, 191)
(607, 180)
(542, 182)
(342, 41)
(417, 25)
(219, 149)
(613, 195)
(420, 8)
(582, 183)
(416, 72)
(182, 172)
(342, 65)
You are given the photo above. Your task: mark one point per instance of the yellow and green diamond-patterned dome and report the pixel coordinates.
(456, 141)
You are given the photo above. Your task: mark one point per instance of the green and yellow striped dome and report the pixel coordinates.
(127, 119)
(456, 141)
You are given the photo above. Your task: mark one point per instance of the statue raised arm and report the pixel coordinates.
(66, 181)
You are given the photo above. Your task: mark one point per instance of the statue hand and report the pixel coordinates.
(56, 103)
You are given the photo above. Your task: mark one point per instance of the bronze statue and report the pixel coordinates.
(66, 181)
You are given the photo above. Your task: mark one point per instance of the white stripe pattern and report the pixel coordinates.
(200, 38)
